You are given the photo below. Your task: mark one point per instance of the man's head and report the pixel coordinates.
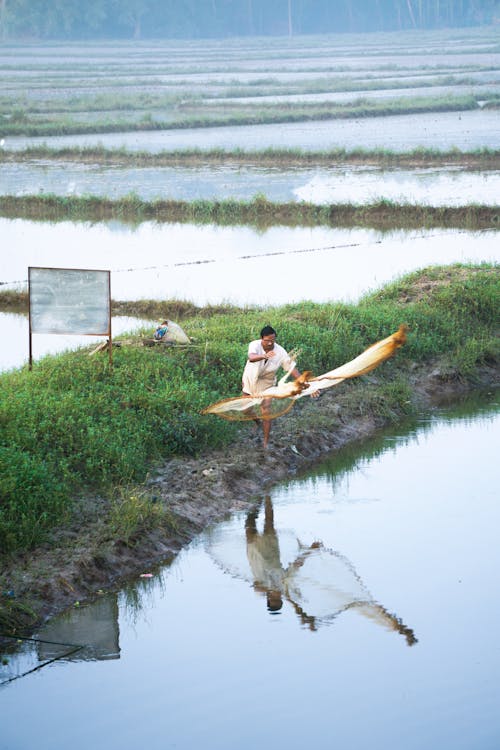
(268, 337)
(274, 601)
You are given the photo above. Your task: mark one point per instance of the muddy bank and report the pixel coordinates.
(85, 558)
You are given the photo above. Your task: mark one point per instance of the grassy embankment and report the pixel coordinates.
(119, 95)
(73, 425)
(208, 115)
(259, 212)
(484, 158)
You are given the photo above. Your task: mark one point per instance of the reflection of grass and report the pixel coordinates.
(17, 302)
(13, 301)
(258, 212)
(485, 158)
(75, 425)
(204, 115)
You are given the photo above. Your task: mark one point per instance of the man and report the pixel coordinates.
(265, 357)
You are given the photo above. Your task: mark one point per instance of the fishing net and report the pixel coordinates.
(249, 407)
(278, 400)
(175, 334)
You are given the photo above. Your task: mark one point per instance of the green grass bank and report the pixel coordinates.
(207, 114)
(74, 426)
(259, 212)
(484, 158)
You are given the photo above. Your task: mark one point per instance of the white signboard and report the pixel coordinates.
(74, 301)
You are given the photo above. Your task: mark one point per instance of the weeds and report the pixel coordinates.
(206, 114)
(133, 511)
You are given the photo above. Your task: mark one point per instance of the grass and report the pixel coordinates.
(74, 426)
(484, 158)
(20, 107)
(208, 114)
(257, 212)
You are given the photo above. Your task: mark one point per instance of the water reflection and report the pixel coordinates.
(415, 517)
(446, 186)
(14, 330)
(207, 264)
(88, 633)
(319, 583)
(94, 628)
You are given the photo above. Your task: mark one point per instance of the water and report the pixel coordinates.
(213, 264)
(15, 331)
(473, 88)
(443, 186)
(386, 634)
(467, 131)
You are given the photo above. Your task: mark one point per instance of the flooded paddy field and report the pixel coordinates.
(467, 131)
(50, 89)
(484, 90)
(352, 606)
(377, 577)
(432, 186)
(225, 264)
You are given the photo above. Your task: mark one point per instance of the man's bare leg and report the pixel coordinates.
(266, 429)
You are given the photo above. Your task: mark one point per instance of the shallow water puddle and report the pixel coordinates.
(355, 606)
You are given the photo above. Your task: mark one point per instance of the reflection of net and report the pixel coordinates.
(319, 583)
(324, 583)
(280, 399)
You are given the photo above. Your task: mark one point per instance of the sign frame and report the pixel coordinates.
(71, 301)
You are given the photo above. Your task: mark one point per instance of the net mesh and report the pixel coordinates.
(280, 399)
(249, 407)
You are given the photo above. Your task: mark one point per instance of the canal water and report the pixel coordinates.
(14, 328)
(354, 607)
(216, 264)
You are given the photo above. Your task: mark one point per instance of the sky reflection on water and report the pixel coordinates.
(443, 186)
(212, 264)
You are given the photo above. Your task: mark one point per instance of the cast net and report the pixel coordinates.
(278, 400)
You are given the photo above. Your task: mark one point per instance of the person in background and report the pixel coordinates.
(161, 331)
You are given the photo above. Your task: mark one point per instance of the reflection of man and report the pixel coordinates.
(264, 556)
(319, 583)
